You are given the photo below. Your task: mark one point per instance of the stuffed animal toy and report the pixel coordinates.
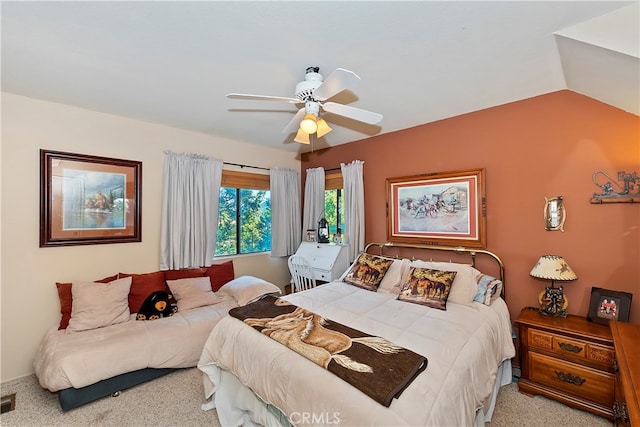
(156, 306)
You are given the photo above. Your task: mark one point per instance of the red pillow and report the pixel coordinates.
(143, 285)
(184, 274)
(66, 299)
(219, 274)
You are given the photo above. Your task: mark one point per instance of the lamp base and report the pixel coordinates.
(553, 302)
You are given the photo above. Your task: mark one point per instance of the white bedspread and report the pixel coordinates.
(80, 359)
(464, 346)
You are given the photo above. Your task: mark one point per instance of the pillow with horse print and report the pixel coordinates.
(368, 271)
(428, 287)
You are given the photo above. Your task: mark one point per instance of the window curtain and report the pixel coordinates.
(353, 184)
(285, 212)
(191, 192)
(313, 199)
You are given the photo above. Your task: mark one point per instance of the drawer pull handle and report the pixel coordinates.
(569, 378)
(570, 347)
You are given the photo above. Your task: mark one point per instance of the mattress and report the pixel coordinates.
(79, 359)
(465, 345)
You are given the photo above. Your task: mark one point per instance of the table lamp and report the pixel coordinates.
(552, 300)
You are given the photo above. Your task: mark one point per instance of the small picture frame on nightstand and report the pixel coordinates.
(311, 235)
(609, 305)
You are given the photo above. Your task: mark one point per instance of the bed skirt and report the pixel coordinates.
(73, 397)
(237, 405)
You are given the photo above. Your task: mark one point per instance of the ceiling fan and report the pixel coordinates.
(313, 92)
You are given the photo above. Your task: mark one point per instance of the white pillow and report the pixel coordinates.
(465, 284)
(246, 289)
(392, 281)
(96, 305)
(192, 292)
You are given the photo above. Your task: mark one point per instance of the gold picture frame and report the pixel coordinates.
(446, 208)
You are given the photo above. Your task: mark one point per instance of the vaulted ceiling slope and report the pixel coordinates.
(419, 61)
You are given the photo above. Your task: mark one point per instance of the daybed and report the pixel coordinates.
(100, 347)
(462, 333)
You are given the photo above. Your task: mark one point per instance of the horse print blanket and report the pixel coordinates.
(374, 365)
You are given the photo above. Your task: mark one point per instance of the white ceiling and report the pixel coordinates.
(419, 61)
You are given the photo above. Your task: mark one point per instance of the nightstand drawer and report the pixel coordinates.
(601, 354)
(564, 345)
(582, 381)
(570, 348)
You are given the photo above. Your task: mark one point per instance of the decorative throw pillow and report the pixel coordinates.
(192, 292)
(96, 305)
(184, 274)
(368, 271)
(220, 274)
(142, 285)
(66, 299)
(489, 289)
(464, 286)
(156, 306)
(246, 289)
(427, 287)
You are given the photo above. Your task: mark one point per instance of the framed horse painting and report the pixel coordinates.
(447, 208)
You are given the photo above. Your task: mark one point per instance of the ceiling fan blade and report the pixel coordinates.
(264, 98)
(337, 81)
(353, 113)
(294, 124)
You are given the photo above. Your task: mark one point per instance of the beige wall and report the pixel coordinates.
(29, 299)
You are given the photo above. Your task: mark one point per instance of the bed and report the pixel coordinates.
(467, 344)
(82, 366)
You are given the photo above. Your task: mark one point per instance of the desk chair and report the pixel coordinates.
(302, 276)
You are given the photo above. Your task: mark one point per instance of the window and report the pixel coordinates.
(334, 203)
(244, 214)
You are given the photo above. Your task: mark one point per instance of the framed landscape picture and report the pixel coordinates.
(447, 208)
(89, 199)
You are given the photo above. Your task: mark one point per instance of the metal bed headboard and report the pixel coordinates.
(458, 250)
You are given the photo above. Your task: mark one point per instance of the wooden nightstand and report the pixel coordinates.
(567, 359)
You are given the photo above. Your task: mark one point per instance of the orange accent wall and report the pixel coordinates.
(540, 147)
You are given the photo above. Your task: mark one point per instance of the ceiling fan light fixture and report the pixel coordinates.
(302, 137)
(309, 124)
(323, 128)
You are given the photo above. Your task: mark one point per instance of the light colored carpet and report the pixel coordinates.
(175, 399)
(172, 400)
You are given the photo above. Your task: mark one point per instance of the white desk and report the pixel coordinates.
(328, 260)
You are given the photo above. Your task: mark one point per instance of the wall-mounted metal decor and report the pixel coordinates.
(86, 200)
(613, 192)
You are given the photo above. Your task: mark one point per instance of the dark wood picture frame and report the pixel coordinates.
(608, 305)
(447, 208)
(87, 200)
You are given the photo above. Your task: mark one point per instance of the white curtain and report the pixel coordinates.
(353, 183)
(313, 199)
(189, 210)
(286, 232)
